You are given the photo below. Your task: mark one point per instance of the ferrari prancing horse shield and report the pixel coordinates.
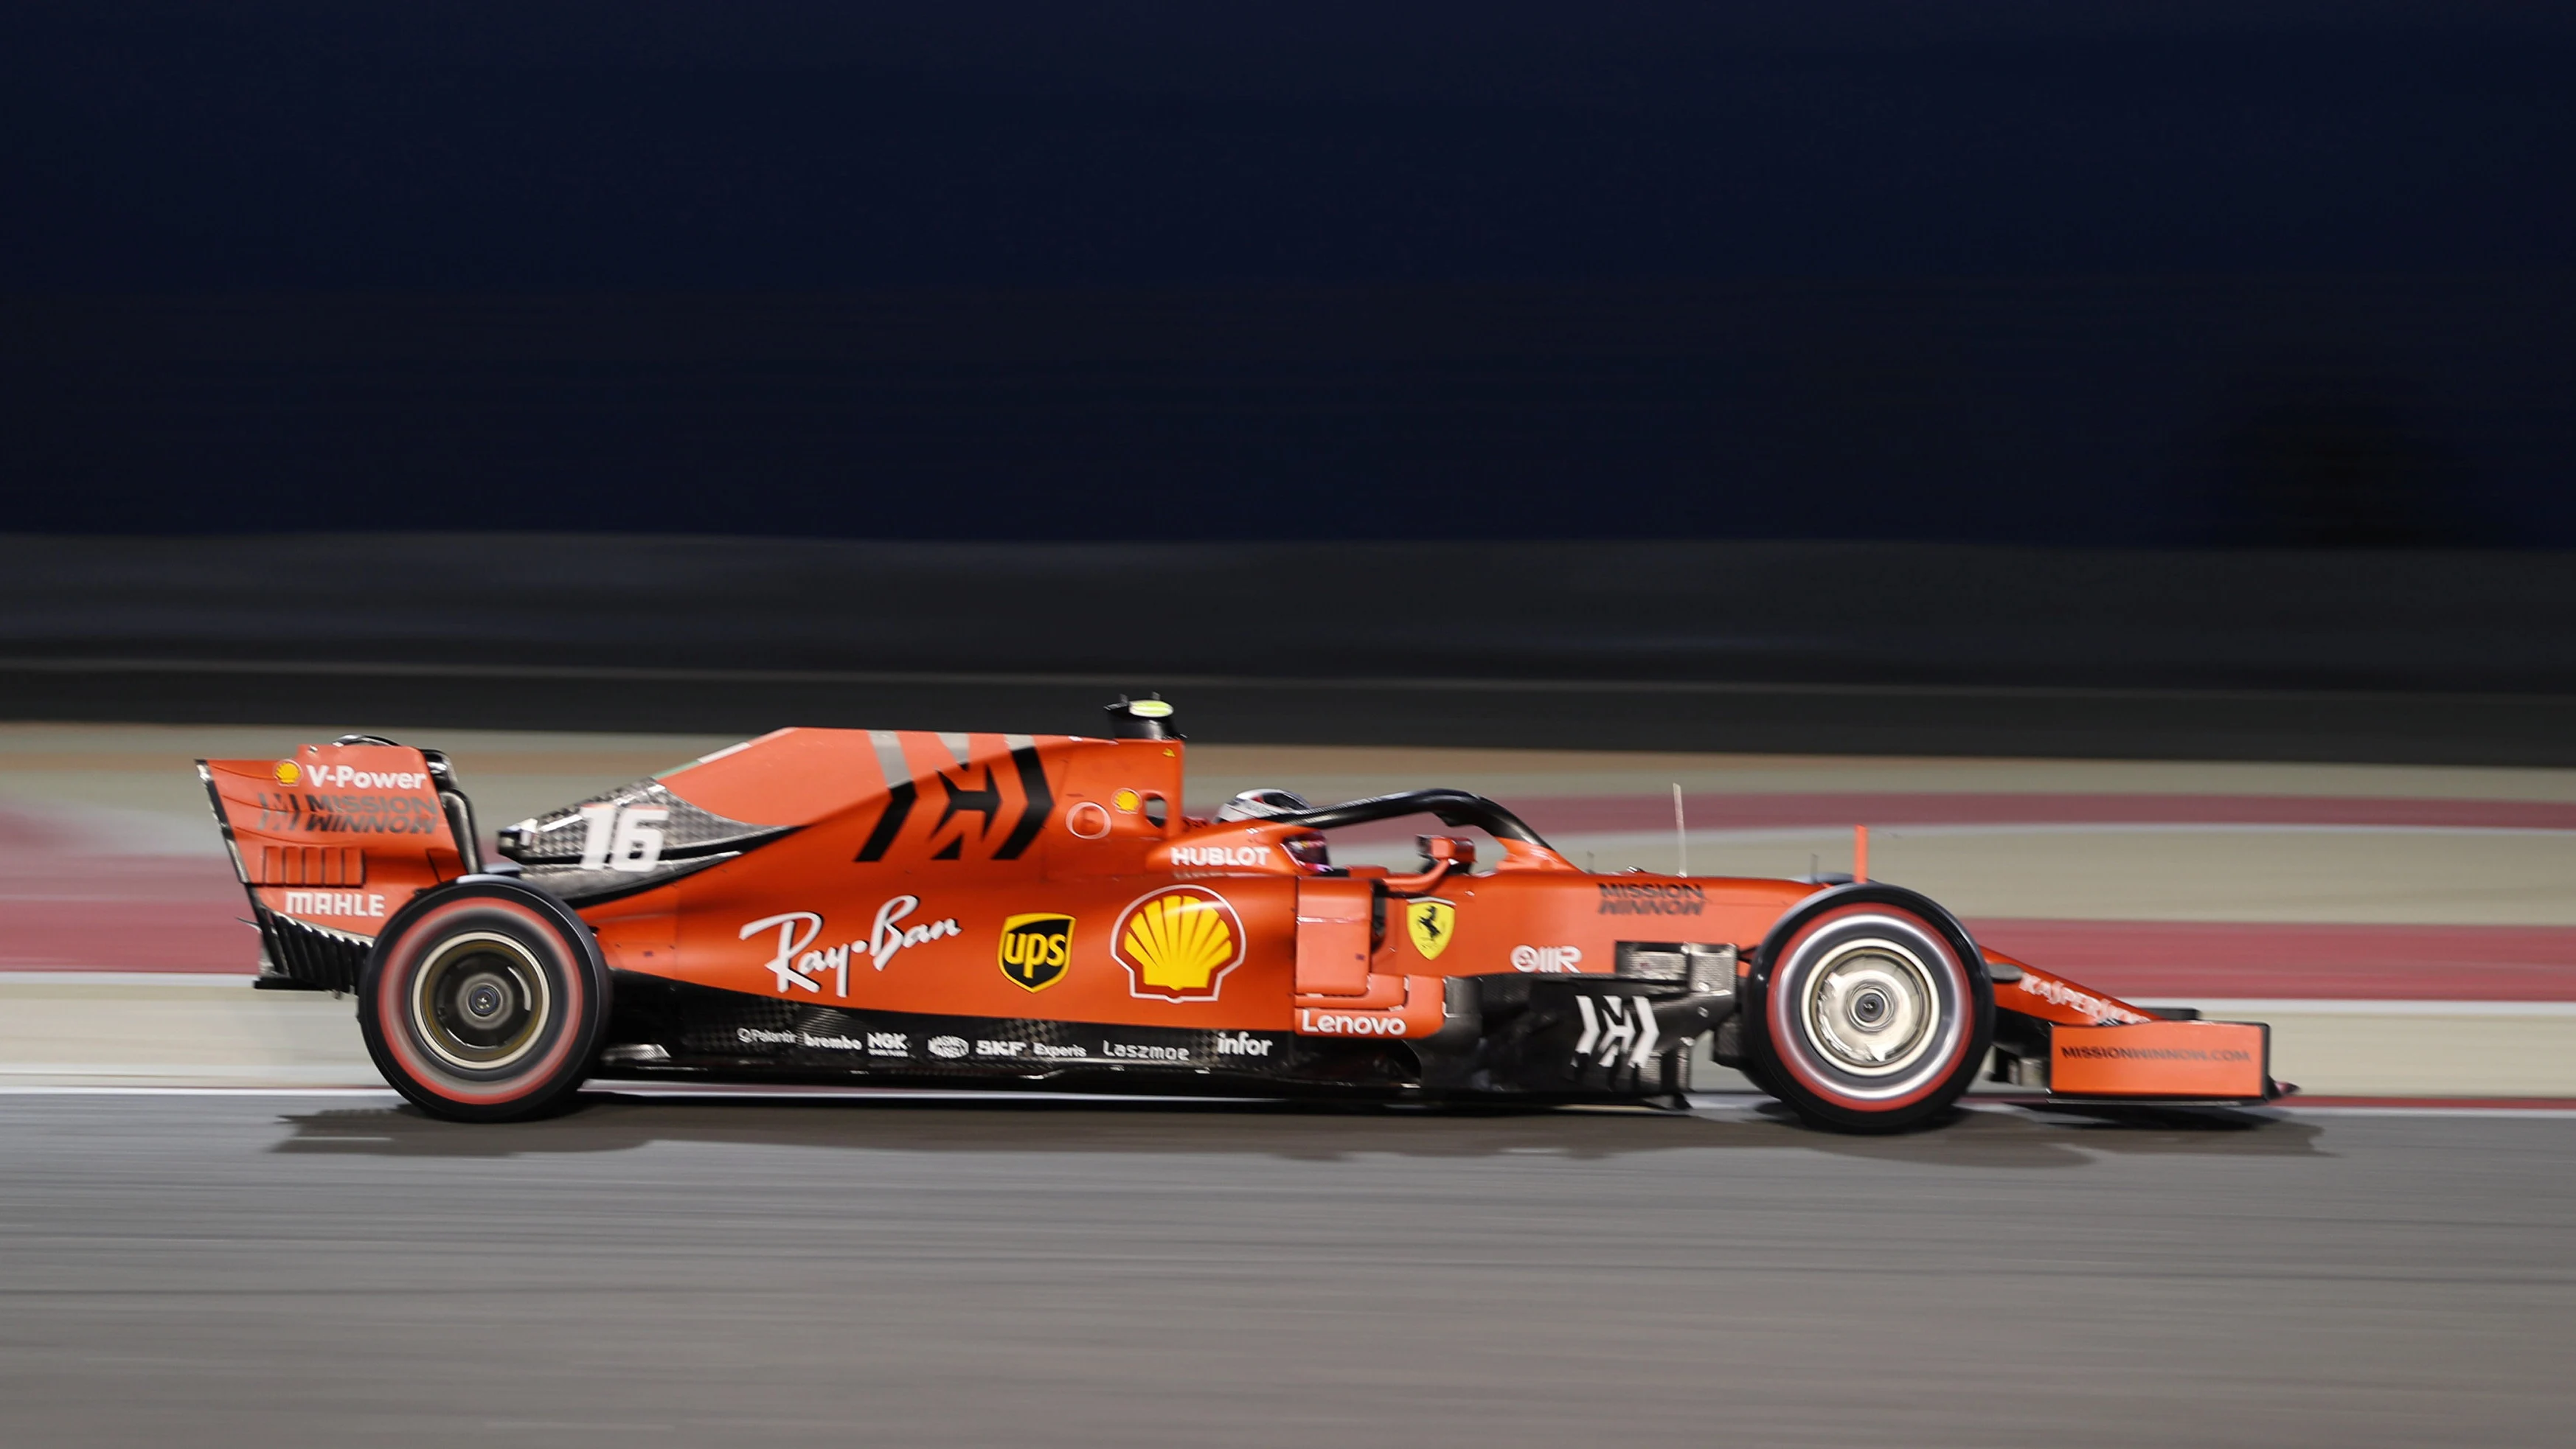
(1430, 922)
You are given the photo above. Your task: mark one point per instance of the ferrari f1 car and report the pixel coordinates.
(1021, 911)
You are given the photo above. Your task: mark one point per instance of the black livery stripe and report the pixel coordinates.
(1033, 816)
(899, 798)
(986, 802)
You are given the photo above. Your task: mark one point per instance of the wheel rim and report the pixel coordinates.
(1871, 1008)
(481, 1001)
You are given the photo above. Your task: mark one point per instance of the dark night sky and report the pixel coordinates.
(2250, 272)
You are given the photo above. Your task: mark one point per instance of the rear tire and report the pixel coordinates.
(1871, 1019)
(1757, 1069)
(484, 1001)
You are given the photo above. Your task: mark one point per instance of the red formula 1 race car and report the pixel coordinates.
(1034, 911)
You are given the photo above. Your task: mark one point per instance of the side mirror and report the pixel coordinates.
(1449, 850)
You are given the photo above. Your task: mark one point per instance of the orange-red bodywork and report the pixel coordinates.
(2162, 1059)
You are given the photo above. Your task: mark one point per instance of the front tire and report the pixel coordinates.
(1872, 1020)
(484, 1001)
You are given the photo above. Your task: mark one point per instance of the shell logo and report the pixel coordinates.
(288, 772)
(1178, 944)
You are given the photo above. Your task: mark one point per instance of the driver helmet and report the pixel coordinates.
(1262, 804)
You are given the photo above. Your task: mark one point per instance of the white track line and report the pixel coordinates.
(2567, 1113)
(1700, 1102)
(12, 1090)
(126, 978)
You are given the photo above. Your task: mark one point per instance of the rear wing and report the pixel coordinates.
(331, 841)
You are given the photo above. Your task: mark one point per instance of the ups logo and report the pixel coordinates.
(1036, 949)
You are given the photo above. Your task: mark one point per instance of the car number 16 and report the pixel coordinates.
(622, 837)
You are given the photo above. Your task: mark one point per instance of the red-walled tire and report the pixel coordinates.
(484, 1001)
(1872, 1020)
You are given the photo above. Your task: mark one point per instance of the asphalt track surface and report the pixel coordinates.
(239, 1270)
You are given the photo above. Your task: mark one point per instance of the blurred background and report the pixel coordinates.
(2273, 273)
(2130, 347)
(2123, 453)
